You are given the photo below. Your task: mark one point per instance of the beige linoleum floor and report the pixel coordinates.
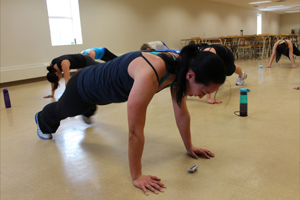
(256, 157)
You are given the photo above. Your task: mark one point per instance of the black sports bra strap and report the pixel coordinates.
(152, 67)
(285, 41)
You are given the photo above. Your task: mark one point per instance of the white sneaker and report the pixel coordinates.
(241, 79)
(39, 132)
(87, 119)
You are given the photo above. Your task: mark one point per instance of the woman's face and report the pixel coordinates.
(198, 89)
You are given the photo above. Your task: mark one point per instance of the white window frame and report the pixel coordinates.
(65, 27)
(259, 24)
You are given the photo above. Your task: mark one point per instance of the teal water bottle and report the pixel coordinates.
(244, 102)
(260, 74)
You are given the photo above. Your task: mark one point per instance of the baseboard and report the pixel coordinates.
(22, 72)
(25, 72)
(22, 82)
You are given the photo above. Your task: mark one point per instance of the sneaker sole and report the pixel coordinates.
(37, 131)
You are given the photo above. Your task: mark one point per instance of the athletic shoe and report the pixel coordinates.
(241, 79)
(87, 119)
(41, 135)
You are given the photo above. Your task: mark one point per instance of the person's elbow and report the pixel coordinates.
(135, 137)
(181, 116)
(132, 136)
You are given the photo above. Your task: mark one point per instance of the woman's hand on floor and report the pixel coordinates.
(210, 101)
(194, 151)
(48, 96)
(148, 182)
(297, 88)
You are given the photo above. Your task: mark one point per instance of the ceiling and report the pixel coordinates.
(281, 6)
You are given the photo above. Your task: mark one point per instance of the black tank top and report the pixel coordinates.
(286, 51)
(109, 82)
(77, 61)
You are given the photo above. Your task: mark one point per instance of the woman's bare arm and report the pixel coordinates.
(273, 54)
(65, 66)
(183, 120)
(144, 87)
(291, 49)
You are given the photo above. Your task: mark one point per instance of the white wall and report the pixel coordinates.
(270, 23)
(119, 25)
(289, 21)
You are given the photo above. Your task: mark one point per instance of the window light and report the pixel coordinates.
(259, 2)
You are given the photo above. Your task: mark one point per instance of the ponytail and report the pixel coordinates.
(186, 55)
(170, 61)
(52, 78)
(207, 66)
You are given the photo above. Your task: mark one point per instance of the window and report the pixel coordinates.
(64, 22)
(258, 23)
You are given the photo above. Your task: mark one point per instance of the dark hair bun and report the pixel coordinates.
(51, 69)
(52, 78)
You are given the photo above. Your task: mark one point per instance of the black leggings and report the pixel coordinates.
(108, 56)
(70, 104)
(296, 52)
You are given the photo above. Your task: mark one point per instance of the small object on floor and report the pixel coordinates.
(260, 74)
(193, 169)
(87, 119)
(6, 98)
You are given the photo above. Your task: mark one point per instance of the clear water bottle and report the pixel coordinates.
(260, 74)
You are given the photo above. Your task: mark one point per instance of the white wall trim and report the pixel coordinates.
(22, 72)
